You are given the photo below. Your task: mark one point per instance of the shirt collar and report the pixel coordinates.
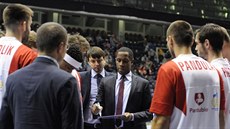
(93, 73)
(51, 58)
(128, 76)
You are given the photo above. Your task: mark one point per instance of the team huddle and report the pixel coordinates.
(44, 89)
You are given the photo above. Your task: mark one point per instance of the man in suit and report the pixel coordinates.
(90, 82)
(41, 96)
(135, 101)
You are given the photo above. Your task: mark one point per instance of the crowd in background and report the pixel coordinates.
(73, 78)
(149, 51)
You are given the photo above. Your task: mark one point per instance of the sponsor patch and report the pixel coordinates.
(199, 98)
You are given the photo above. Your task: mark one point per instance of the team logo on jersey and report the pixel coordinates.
(199, 98)
(215, 101)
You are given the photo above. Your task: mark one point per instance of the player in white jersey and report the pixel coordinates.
(14, 55)
(189, 92)
(209, 40)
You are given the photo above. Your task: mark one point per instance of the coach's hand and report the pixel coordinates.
(96, 108)
(128, 117)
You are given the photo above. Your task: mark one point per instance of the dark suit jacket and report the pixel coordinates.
(138, 102)
(41, 96)
(86, 86)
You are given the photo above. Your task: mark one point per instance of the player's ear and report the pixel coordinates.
(170, 41)
(207, 44)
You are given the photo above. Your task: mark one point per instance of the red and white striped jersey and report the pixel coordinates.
(13, 55)
(189, 90)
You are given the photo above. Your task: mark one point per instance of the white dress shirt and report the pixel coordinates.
(127, 89)
(88, 117)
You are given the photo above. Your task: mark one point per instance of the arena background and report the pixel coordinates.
(138, 24)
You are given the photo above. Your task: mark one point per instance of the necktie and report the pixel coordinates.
(99, 77)
(120, 100)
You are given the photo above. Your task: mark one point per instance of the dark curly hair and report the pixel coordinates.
(74, 52)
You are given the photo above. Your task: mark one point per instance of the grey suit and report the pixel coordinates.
(138, 102)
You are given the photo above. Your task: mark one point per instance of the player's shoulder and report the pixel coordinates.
(170, 65)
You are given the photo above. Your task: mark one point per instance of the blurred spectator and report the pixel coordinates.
(83, 45)
(167, 57)
(32, 40)
(160, 55)
(81, 41)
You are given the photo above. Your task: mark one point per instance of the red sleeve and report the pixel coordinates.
(169, 91)
(22, 57)
(164, 93)
(222, 93)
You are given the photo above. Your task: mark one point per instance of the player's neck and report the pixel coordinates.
(228, 56)
(213, 56)
(182, 50)
(11, 34)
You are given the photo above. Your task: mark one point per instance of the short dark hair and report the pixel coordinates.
(95, 52)
(15, 13)
(49, 36)
(182, 33)
(74, 52)
(214, 33)
(126, 49)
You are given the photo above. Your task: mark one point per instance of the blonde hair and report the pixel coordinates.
(81, 41)
(32, 39)
(13, 14)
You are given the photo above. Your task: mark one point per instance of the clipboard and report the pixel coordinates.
(112, 117)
